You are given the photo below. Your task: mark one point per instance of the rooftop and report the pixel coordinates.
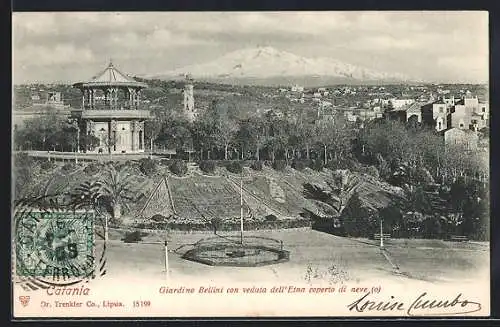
(111, 76)
(411, 107)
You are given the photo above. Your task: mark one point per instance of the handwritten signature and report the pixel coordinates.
(423, 305)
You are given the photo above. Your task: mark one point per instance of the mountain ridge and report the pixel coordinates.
(267, 65)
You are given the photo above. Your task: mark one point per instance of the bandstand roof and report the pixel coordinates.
(110, 77)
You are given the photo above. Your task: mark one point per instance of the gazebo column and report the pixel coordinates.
(89, 129)
(137, 98)
(133, 131)
(115, 98)
(92, 98)
(141, 128)
(107, 97)
(130, 97)
(112, 134)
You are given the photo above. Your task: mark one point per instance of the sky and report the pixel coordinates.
(446, 46)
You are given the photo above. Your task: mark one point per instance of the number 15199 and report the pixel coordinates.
(141, 304)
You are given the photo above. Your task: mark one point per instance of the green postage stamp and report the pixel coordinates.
(54, 245)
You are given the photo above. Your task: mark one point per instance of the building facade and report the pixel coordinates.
(440, 115)
(469, 113)
(111, 111)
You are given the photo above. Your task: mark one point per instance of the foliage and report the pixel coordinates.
(317, 165)
(358, 221)
(208, 166)
(372, 171)
(147, 166)
(89, 141)
(23, 173)
(68, 167)
(271, 218)
(179, 168)
(235, 167)
(132, 237)
(177, 133)
(112, 190)
(301, 164)
(279, 165)
(432, 227)
(46, 132)
(92, 169)
(47, 165)
(257, 165)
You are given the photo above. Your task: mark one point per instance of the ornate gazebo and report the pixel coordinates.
(111, 111)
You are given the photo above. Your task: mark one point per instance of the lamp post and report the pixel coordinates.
(381, 233)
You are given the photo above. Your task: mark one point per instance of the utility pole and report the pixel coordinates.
(77, 142)
(241, 210)
(166, 258)
(151, 146)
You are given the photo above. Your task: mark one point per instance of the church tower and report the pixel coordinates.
(189, 110)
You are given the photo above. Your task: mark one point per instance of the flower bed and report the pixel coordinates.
(227, 226)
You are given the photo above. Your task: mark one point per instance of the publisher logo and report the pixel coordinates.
(24, 299)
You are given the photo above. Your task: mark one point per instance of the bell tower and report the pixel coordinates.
(189, 110)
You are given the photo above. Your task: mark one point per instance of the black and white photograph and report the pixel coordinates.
(242, 164)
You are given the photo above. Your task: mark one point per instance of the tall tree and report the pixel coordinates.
(324, 135)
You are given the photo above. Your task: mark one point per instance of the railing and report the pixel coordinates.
(377, 236)
(458, 238)
(115, 114)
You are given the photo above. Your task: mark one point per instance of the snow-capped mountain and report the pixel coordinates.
(263, 63)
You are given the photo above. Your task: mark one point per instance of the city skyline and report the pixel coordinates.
(447, 46)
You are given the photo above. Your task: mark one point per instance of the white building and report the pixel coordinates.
(398, 103)
(297, 88)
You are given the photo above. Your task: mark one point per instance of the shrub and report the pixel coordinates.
(132, 237)
(46, 165)
(279, 165)
(372, 171)
(159, 218)
(147, 166)
(235, 167)
(300, 164)
(68, 167)
(257, 165)
(91, 169)
(179, 168)
(317, 165)
(208, 167)
(271, 218)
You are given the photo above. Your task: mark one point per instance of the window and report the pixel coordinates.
(484, 109)
(140, 140)
(441, 110)
(461, 125)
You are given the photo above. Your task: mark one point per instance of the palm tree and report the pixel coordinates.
(113, 188)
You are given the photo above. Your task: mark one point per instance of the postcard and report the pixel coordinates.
(250, 164)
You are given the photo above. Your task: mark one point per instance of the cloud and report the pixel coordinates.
(384, 43)
(397, 41)
(59, 55)
(473, 67)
